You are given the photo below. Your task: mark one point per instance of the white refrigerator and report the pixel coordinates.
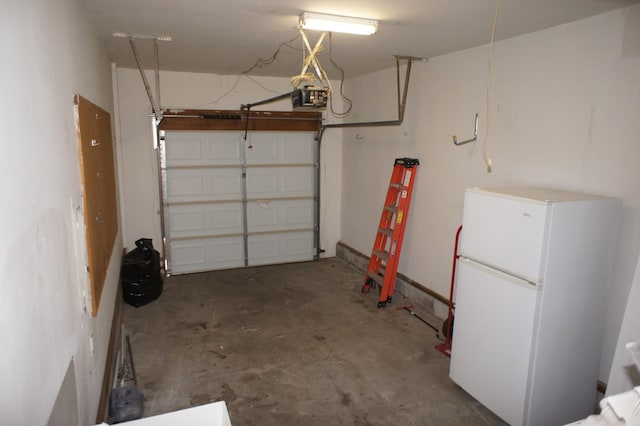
(530, 288)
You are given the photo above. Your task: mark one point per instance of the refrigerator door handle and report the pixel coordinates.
(501, 274)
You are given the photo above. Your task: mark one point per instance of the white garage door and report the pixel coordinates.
(230, 204)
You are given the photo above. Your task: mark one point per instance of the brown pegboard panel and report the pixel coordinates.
(95, 150)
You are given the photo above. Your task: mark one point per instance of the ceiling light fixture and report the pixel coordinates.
(338, 24)
(143, 36)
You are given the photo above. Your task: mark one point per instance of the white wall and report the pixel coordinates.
(50, 53)
(200, 91)
(564, 110)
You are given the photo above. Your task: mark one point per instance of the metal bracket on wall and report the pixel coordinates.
(402, 100)
(475, 135)
(156, 105)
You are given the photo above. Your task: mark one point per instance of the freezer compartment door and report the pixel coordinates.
(504, 232)
(492, 338)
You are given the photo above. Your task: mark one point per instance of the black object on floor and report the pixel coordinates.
(141, 277)
(125, 404)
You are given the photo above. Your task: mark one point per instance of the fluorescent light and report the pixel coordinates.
(338, 24)
(142, 36)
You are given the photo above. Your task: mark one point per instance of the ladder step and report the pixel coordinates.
(393, 209)
(396, 185)
(381, 254)
(386, 231)
(377, 278)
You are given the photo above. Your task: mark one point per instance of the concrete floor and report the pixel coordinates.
(295, 344)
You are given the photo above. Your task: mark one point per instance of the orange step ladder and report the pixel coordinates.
(383, 264)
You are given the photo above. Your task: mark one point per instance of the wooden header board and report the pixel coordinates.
(301, 121)
(93, 126)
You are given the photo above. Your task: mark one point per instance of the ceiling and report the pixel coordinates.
(231, 36)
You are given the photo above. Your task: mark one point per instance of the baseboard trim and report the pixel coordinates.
(360, 261)
(602, 387)
(112, 351)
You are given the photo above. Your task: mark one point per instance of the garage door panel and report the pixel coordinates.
(200, 184)
(181, 185)
(202, 149)
(263, 184)
(298, 180)
(224, 148)
(279, 148)
(183, 151)
(194, 220)
(277, 215)
(279, 248)
(225, 219)
(206, 254)
(296, 150)
(225, 182)
(204, 191)
(186, 221)
(301, 245)
(261, 216)
(299, 213)
(274, 182)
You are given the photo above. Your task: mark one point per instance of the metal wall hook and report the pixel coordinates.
(475, 135)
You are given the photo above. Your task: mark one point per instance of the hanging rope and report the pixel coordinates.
(320, 75)
(485, 153)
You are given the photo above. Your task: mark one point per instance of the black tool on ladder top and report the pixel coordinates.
(408, 309)
(383, 264)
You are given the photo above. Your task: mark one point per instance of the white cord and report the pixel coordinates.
(258, 64)
(487, 158)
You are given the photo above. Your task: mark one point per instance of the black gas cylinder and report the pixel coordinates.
(141, 276)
